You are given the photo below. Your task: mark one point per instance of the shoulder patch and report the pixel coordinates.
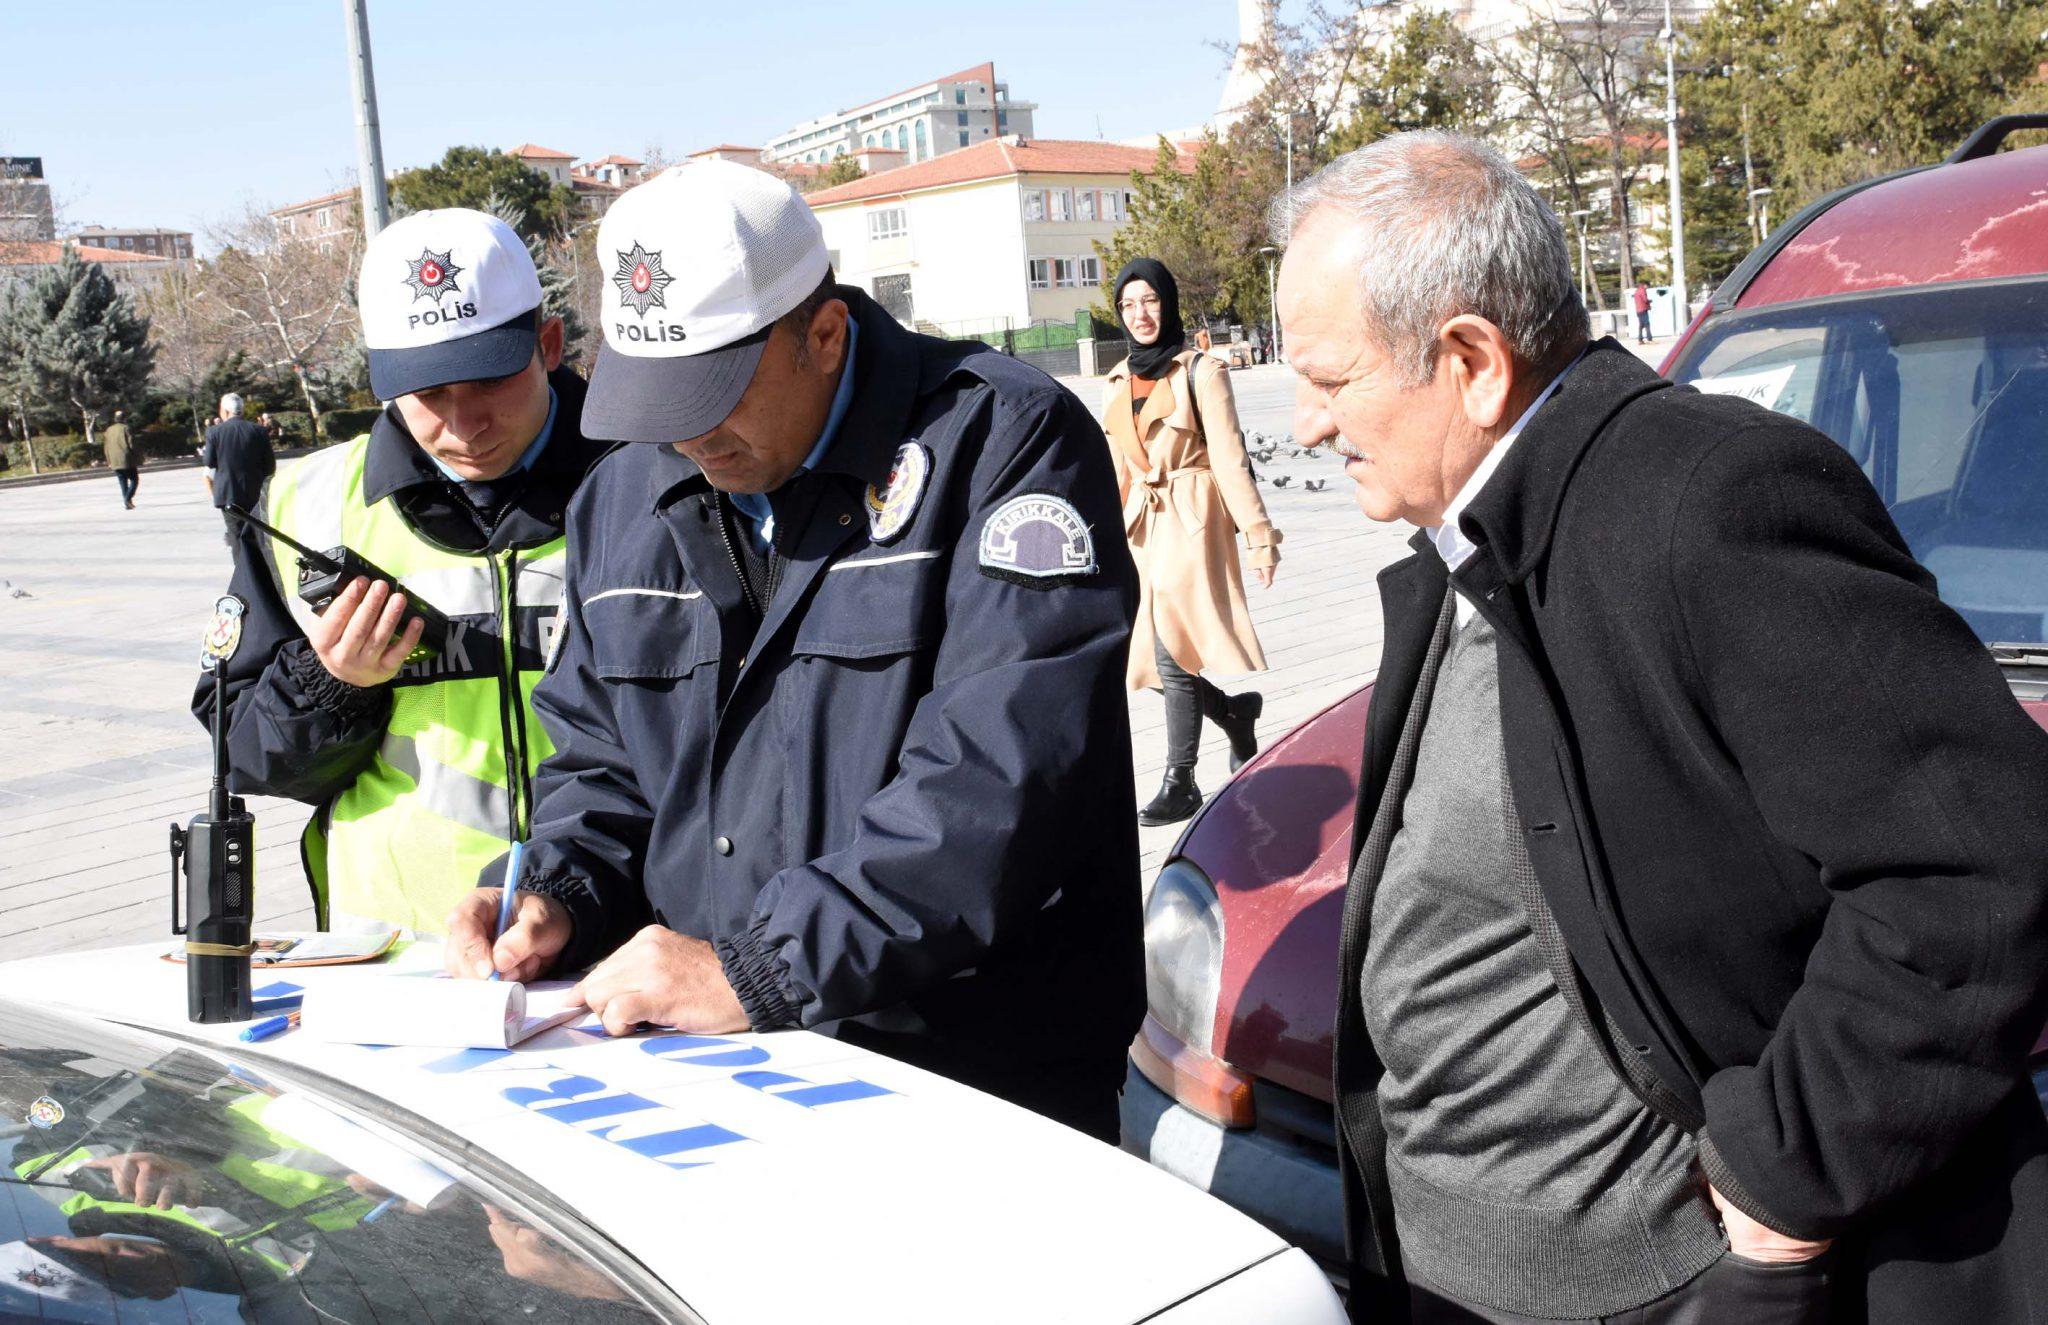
(1037, 540)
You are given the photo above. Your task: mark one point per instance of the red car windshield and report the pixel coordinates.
(1941, 395)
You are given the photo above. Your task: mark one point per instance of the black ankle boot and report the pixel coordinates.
(1178, 799)
(1239, 718)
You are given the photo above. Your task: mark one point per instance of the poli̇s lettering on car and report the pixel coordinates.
(1907, 318)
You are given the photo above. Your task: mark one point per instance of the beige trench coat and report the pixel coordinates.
(1187, 492)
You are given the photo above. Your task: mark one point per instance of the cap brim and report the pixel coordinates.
(499, 352)
(668, 399)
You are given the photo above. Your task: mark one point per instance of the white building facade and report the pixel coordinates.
(929, 120)
(995, 238)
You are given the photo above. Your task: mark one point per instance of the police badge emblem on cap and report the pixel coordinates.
(223, 632)
(45, 1113)
(1037, 540)
(891, 505)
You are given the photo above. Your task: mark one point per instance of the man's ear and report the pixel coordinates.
(549, 344)
(1482, 366)
(828, 335)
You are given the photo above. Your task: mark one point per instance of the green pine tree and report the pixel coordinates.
(81, 342)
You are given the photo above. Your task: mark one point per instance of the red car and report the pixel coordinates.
(1906, 317)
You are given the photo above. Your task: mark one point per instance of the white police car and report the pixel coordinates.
(158, 1170)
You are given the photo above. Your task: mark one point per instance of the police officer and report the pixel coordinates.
(840, 734)
(420, 765)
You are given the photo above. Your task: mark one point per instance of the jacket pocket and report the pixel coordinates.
(640, 634)
(874, 604)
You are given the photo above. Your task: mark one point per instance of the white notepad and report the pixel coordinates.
(436, 1011)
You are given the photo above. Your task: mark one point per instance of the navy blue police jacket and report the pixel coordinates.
(901, 805)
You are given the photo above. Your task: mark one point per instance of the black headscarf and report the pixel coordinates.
(1153, 361)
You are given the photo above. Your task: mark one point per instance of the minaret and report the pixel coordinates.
(1254, 27)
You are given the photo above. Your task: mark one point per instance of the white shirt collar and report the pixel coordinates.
(1451, 542)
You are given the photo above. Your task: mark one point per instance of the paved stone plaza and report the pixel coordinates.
(98, 749)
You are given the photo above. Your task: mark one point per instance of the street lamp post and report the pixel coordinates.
(1272, 255)
(369, 145)
(1585, 268)
(1671, 139)
(1760, 202)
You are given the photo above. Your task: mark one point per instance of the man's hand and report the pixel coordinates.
(1754, 1242)
(665, 978)
(357, 638)
(540, 930)
(1264, 575)
(538, 1260)
(144, 1178)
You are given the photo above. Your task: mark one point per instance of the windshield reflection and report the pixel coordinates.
(163, 1186)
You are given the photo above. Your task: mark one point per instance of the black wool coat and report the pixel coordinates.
(1791, 821)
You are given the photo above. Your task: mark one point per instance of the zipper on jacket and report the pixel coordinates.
(733, 555)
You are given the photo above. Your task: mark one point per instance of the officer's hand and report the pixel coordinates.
(145, 1178)
(540, 930)
(1264, 575)
(666, 979)
(357, 638)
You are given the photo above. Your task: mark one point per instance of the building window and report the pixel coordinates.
(322, 218)
(1059, 205)
(1112, 206)
(870, 141)
(1084, 205)
(963, 137)
(1091, 271)
(888, 223)
(960, 98)
(1065, 273)
(960, 118)
(922, 147)
(1003, 122)
(1034, 204)
(1038, 274)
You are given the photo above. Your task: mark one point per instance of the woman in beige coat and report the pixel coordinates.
(1188, 492)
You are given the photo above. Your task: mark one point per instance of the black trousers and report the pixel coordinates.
(1642, 326)
(1731, 1291)
(130, 480)
(1189, 699)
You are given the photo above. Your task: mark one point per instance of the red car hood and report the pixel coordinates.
(1276, 842)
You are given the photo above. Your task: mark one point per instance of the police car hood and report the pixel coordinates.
(779, 1177)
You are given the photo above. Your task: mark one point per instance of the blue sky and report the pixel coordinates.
(179, 113)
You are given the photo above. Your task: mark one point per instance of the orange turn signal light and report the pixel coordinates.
(1201, 1082)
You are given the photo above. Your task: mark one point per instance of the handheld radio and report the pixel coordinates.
(218, 853)
(323, 575)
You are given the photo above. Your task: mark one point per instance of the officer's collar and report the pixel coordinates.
(888, 375)
(397, 462)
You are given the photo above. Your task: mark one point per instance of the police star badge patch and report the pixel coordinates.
(433, 275)
(891, 506)
(640, 279)
(223, 632)
(1037, 540)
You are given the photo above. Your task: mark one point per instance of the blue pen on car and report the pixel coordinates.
(270, 1026)
(384, 1207)
(507, 894)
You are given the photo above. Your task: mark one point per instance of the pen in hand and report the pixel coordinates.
(506, 896)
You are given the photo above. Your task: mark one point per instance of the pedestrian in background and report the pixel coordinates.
(238, 462)
(121, 456)
(1642, 301)
(1187, 491)
(271, 429)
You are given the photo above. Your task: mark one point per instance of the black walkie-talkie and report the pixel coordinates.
(218, 853)
(323, 575)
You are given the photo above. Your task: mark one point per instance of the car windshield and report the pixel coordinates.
(1941, 395)
(153, 1183)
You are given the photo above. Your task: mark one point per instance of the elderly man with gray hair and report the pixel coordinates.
(239, 461)
(1696, 933)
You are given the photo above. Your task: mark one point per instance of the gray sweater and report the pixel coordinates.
(1525, 1176)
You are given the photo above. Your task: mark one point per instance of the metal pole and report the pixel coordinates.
(369, 148)
(1677, 203)
(1756, 236)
